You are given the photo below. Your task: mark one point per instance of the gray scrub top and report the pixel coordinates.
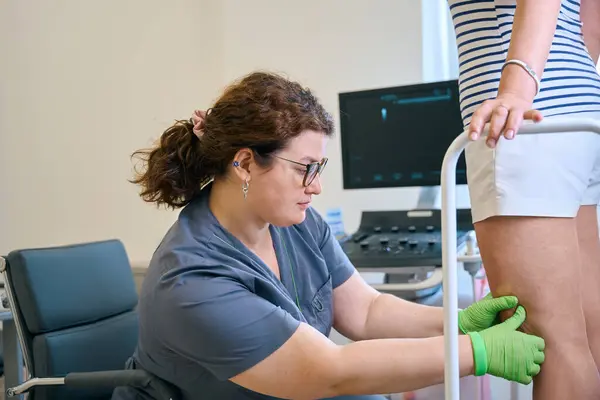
(210, 309)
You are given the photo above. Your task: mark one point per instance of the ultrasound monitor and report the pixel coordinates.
(398, 136)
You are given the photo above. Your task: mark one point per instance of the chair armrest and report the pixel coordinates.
(102, 379)
(108, 379)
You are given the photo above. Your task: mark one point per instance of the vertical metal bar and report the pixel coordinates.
(450, 271)
(13, 358)
(18, 323)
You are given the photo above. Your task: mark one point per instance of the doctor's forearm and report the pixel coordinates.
(532, 33)
(396, 365)
(392, 317)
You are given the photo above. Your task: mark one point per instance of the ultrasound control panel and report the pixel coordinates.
(389, 239)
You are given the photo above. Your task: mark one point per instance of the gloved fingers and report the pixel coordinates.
(503, 303)
(533, 370)
(536, 341)
(541, 343)
(539, 357)
(525, 380)
(516, 320)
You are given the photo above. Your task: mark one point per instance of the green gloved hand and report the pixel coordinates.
(504, 352)
(484, 313)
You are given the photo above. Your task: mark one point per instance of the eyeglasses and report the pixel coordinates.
(312, 169)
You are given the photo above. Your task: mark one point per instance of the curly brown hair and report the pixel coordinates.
(262, 112)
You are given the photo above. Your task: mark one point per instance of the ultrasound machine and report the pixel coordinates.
(396, 138)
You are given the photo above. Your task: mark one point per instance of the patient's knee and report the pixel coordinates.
(538, 321)
(525, 326)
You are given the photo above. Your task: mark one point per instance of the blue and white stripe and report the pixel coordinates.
(570, 82)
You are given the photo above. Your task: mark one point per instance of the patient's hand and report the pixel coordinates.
(485, 313)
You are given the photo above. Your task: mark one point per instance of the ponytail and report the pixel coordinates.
(172, 174)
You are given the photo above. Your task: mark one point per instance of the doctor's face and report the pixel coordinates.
(287, 188)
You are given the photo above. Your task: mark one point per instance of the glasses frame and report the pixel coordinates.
(310, 168)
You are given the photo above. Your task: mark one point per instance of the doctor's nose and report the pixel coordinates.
(315, 186)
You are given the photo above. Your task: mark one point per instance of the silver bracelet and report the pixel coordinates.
(528, 69)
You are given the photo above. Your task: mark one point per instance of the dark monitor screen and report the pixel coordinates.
(397, 137)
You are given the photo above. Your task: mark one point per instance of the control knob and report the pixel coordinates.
(412, 228)
(413, 243)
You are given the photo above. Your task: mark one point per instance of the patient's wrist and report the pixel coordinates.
(517, 81)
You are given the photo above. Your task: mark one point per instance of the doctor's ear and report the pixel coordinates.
(243, 163)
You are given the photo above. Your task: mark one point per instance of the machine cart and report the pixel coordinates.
(449, 246)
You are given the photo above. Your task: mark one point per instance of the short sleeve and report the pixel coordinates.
(220, 324)
(340, 267)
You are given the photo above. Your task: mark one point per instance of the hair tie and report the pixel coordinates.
(198, 118)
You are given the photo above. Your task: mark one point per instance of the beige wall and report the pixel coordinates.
(83, 84)
(86, 83)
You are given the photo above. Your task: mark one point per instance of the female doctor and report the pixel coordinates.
(242, 292)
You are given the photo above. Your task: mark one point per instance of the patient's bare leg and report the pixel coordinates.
(538, 260)
(589, 248)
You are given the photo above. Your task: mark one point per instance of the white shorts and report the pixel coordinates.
(544, 175)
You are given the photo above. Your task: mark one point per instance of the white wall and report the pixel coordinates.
(440, 56)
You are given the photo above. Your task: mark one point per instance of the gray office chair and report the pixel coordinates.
(74, 310)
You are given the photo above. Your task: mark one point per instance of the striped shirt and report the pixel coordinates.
(570, 82)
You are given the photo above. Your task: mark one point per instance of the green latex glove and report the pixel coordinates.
(484, 313)
(504, 352)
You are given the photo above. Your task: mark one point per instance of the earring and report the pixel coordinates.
(236, 164)
(245, 187)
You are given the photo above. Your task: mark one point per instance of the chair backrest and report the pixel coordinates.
(74, 309)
